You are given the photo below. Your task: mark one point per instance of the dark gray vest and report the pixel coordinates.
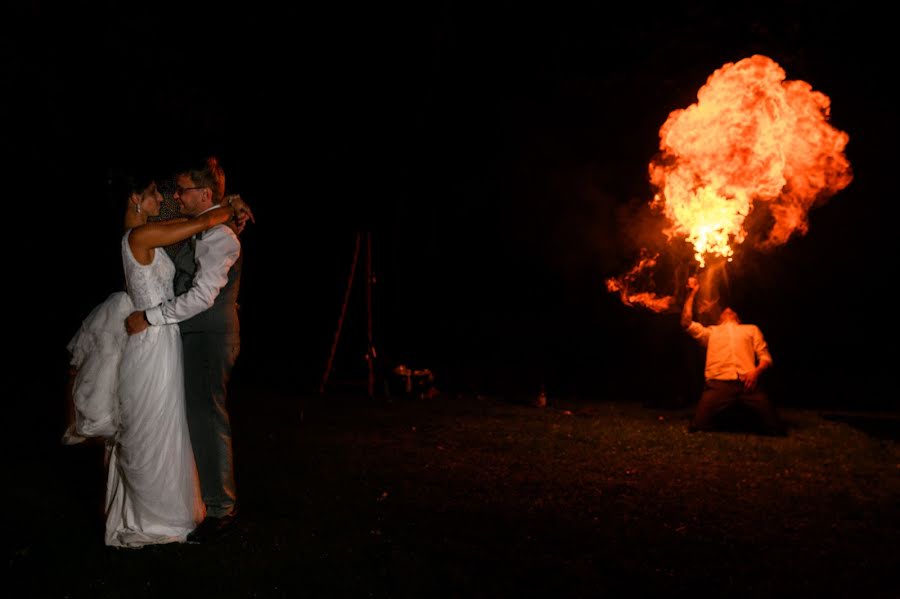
(222, 316)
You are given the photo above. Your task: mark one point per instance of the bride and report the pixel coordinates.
(131, 389)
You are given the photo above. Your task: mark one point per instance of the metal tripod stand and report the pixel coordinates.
(361, 238)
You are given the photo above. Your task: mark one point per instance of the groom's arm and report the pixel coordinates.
(215, 254)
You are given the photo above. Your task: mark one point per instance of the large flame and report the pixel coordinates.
(751, 139)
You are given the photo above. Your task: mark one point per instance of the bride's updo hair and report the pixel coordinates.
(209, 174)
(121, 184)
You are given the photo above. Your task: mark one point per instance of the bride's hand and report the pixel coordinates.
(242, 212)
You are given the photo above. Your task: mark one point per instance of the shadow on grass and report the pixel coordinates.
(879, 426)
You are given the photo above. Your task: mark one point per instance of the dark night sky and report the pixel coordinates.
(492, 150)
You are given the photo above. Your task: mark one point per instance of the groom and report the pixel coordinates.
(207, 280)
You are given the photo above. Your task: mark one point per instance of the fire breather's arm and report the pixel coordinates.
(687, 313)
(750, 379)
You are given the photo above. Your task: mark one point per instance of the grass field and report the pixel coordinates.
(471, 496)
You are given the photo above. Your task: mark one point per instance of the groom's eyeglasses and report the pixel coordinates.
(180, 190)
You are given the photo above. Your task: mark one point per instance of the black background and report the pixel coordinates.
(496, 152)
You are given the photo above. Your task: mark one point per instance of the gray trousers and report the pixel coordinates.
(208, 360)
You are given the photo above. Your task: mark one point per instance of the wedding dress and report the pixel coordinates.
(152, 490)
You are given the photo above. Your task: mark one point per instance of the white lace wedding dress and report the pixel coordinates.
(152, 489)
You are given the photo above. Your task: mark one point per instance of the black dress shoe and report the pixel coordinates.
(210, 529)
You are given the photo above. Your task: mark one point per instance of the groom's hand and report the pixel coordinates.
(136, 322)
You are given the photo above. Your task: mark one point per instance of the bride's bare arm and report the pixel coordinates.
(154, 235)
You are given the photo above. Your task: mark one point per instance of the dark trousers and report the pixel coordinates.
(720, 396)
(208, 360)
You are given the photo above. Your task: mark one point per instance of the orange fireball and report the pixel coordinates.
(751, 138)
(752, 141)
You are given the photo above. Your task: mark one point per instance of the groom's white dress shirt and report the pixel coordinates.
(215, 252)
